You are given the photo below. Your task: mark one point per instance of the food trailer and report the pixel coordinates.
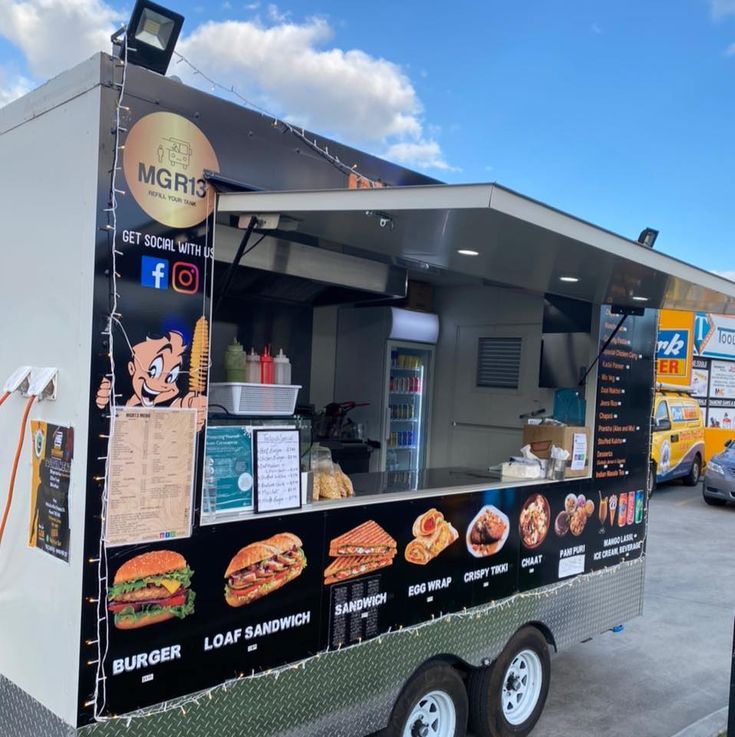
(180, 555)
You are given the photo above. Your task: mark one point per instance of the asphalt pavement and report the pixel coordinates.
(670, 668)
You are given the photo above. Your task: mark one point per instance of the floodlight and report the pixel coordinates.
(648, 237)
(152, 34)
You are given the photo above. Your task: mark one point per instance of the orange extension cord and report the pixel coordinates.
(16, 460)
(3, 397)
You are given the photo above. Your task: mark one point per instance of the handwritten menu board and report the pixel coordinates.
(277, 470)
(151, 475)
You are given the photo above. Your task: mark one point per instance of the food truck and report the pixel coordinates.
(364, 546)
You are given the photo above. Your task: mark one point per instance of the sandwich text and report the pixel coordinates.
(367, 602)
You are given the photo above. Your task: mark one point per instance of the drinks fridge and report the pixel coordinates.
(407, 406)
(378, 363)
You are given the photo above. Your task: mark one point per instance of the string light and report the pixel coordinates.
(103, 626)
(312, 144)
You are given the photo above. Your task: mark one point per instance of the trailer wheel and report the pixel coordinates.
(432, 704)
(507, 698)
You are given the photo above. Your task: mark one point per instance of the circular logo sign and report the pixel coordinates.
(38, 442)
(164, 158)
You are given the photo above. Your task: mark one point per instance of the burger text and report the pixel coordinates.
(145, 660)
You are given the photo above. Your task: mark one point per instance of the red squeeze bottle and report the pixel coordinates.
(266, 366)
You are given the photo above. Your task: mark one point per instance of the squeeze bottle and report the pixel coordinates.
(252, 367)
(283, 368)
(266, 366)
(235, 362)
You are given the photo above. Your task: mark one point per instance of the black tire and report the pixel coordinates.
(486, 688)
(431, 678)
(695, 474)
(713, 501)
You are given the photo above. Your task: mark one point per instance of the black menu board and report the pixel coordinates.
(625, 381)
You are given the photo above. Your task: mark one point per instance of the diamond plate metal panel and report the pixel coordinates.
(350, 693)
(22, 716)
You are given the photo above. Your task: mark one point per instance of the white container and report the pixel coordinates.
(282, 368)
(259, 400)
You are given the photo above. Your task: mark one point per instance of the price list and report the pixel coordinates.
(355, 611)
(624, 386)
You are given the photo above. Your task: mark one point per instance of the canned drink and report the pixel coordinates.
(639, 499)
(622, 509)
(631, 507)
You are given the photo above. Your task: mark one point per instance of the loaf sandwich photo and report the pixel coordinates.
(432, 535)
(151, 588)
(365, 548)
(262, 567)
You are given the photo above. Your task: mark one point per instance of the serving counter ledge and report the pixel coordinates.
(389, 486)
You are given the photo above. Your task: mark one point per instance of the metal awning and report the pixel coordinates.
(521, 243)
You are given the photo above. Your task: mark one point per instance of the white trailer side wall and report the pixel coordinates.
(49, 145)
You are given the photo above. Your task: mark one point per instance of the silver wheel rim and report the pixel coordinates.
(432, 716)
(521, 687)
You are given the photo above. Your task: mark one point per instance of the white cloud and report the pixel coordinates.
(721, 8)
(12, 86)
(56, 34)
(730, 50)
(424, 154)
(291, 68)
(275, 15)
(348, 93)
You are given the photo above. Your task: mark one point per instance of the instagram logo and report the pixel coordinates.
(185, 278)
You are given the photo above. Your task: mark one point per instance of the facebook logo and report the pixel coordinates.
(154, 272)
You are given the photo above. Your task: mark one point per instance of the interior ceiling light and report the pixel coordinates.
(152, 35)
(468, 252)
(640, 299)
(570, 279)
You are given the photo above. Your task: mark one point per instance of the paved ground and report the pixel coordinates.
(670, 667)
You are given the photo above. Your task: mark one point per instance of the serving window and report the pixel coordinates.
(439, 391)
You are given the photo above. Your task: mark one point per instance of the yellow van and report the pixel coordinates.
(677, 442)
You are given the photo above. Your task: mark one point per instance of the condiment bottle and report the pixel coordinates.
(252, 367)
(235, 364)
(282, 368)
(266, 366)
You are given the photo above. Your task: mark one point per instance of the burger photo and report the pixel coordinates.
(151, 588)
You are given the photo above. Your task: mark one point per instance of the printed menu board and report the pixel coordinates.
(625, 399)
(151, 475)
(274, 590)
(624, 388)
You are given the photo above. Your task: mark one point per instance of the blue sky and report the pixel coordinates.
(619, 112)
